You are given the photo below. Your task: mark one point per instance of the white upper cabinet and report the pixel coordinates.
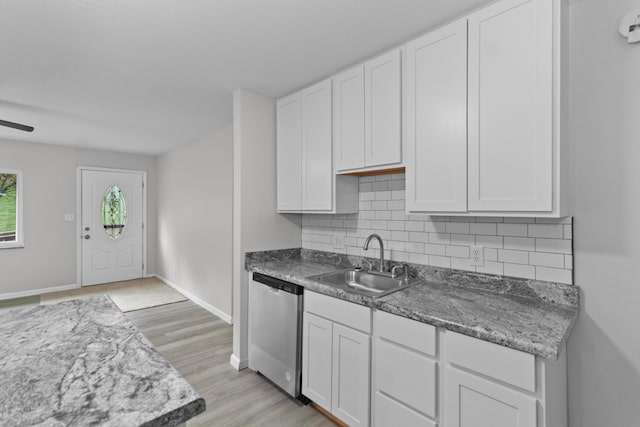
(289, 155)
(317, 164)
(367, 115)
(436, 120)
(306, 180)
(348, 113)
(511, 107)
(382, 96)
(485, 119)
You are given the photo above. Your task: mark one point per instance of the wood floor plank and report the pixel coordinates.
(199, 345)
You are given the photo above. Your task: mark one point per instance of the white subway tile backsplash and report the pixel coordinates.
(553, 231)
(512, 230)
(520, 270)
(365, 187)
(458, 227)
(415, 247)
(414, 226)
(568, 262)
(457, 251)
(560, 246)
(383, 195)
(520, 243)
(397, 195)
(435, 249)
(483, 228)
(531, 248)
(440, 238)
(568, 232)
(513, 257)
(463, 239)
(462, 264)
(369, 195)
(439, 261)
(397, 184)
(396, 205)
(400, 235)
(491, 268)
(381, 186)
(559, 275)
(395, 225)
(416, 236)
(489, 241)
(544, 259)
(386, 215)
(419, 258)
(490, 254)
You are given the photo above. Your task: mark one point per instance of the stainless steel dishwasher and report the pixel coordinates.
(275, 332)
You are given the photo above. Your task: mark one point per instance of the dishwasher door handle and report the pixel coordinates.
(274, 291)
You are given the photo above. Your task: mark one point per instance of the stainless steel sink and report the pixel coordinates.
(363, 282)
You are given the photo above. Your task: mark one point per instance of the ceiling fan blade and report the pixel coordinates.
(16, 126)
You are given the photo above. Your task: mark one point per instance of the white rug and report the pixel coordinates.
(128, 296)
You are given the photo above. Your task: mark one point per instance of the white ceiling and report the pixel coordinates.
(147, 76)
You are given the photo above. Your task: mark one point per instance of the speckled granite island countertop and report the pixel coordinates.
(528, 315)
(80, 363)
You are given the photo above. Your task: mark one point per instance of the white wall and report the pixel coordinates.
(49, 185)
(256, 223)
(604, 348)
(195, 213)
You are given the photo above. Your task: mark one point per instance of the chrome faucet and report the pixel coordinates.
(366, 247)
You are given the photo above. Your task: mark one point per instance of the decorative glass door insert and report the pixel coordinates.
(114, 212)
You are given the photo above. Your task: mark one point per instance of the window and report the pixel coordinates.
(114, 212)
(11, 208)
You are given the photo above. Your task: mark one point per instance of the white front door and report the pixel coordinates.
(112, 222)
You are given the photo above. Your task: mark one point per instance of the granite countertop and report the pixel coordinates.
(82, 362)
(532, 316)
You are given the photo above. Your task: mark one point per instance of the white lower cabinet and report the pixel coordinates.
(336, 348)
(405, 372)
(428, 376)
(415, 374)
(472, 400)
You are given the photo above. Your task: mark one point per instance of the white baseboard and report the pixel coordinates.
(238, 364)
(202, 303)
(32, 292)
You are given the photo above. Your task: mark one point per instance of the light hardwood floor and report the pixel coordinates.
(199, 344)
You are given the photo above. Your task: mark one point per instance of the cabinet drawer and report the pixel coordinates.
(388, 412)
(407, 332)
(406, 376)
(347, 313)
(505, 364)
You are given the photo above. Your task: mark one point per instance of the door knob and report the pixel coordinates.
(87, 237)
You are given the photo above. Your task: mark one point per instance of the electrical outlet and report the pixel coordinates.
(338, 241)
(68, 217)
(477, 256)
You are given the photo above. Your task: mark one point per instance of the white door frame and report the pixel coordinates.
(79, 171)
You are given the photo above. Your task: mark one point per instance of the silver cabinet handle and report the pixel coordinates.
(87, 237)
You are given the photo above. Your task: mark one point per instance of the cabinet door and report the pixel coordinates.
(436, 120)
(289, 155)
(348, 119)
(383, 142)
(350, 382)
(510, 107)
(316, 359)
(474, 401)
(317, 150)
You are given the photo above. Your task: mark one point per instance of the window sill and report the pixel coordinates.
(11, 245)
